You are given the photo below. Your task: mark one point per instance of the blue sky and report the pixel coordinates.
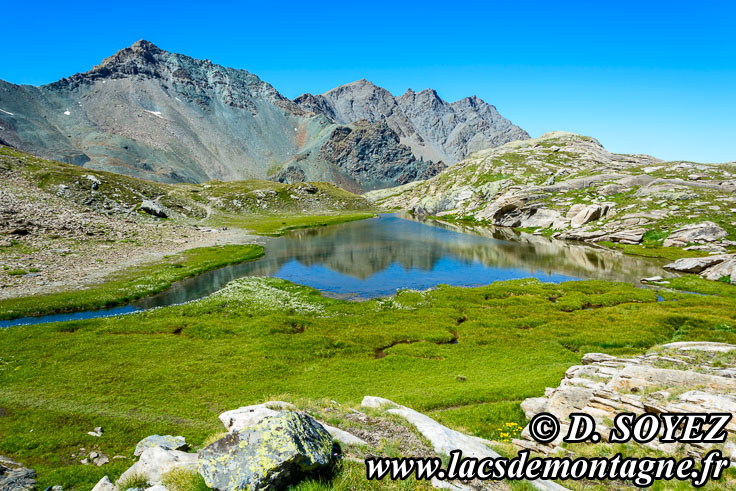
(642, 77)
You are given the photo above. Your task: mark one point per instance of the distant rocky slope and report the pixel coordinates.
(56, 217)
(167, 117)
(434, 129)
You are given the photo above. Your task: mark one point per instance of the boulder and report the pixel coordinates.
(157, 461)
(534, 405)
(101, 460)
(154, 208)
(652, 279)
(167, 442)
(104, 484)
(574, 210)
(588, 214)
(695, 232)
(695, 264)
(725, 268)
(273, 454)
(17, 479)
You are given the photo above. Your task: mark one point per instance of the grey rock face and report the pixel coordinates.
(434, 129)
(18, 479)
(373, 156)
(276, 452)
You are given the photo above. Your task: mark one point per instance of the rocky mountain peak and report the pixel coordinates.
(434, 129)
(140, 52)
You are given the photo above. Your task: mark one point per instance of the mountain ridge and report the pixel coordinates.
(168, 117)
(433, 128)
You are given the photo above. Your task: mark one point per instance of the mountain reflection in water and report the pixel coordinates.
(374, 257)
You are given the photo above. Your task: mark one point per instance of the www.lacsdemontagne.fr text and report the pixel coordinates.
(641, 471)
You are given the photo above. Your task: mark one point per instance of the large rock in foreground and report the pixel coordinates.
(278, 451)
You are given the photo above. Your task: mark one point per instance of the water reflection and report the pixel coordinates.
(374, 257)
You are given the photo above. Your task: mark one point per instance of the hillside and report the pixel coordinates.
(166, 117)
(57, 217)
(570, 187)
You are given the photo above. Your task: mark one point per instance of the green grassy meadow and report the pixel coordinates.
(173, 370)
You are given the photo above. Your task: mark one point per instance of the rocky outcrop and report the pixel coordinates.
(434, 129)
(698, 233)
(154, 208)
(725, 269)
(277, 452)
(373, 156)
(104, 484)
(710, 267)
(695, 264)
(674, 378)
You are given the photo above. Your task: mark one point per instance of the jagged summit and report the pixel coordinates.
(433, 128)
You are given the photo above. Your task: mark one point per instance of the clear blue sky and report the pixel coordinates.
(654, 77)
